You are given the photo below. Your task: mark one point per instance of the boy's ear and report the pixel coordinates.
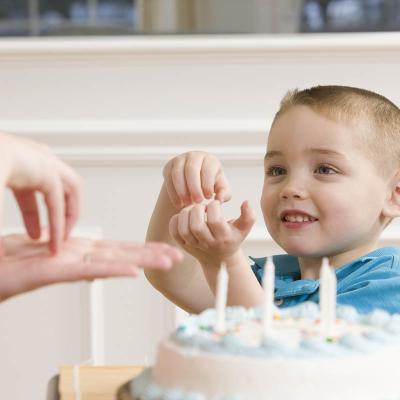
(391, 207)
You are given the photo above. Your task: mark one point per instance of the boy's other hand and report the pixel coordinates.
(193, 177)
(203, 232)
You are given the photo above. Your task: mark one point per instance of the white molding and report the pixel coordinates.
(154, 156)
(59, 127)
(146, 142)
(216, 44)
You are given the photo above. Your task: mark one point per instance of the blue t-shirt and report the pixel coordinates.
(369, 282)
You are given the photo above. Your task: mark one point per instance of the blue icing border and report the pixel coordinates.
(143, 388)
(194, 333)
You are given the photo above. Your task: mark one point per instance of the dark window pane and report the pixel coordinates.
(122, 17)
(13, 17)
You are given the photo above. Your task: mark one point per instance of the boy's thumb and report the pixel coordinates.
(246, 219)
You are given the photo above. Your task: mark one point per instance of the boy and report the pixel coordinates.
(332, 184)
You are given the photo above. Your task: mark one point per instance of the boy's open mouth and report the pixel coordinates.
(296, 217)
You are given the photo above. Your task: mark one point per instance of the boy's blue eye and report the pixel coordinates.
(325, 170)
(276, 171)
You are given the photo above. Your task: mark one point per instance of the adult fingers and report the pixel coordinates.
(30, 213)
(72, 185)
(215, 220)
(71, 272)
(141, 258)
(54, 199)
(129, 245)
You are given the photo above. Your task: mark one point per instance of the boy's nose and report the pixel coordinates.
(293, 190)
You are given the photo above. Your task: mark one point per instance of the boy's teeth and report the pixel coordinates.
(298, 218)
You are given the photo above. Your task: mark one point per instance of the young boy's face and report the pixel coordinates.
(322, 195)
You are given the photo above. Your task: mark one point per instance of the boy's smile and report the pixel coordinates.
(322, 194)
(296, 219)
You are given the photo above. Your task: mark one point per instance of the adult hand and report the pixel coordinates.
(27, 264)
(28, 167)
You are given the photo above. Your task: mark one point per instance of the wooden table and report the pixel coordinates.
(96, 383)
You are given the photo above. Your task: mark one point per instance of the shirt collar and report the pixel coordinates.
(287, 272)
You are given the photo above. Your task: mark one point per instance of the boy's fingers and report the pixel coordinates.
(173, 196)
(215, 220)
(184, 227)
(222, 188)
(193, 168)
(210, 171)
(30, 213)
(198, 225)
(178, 178)
(173, 230)
(246, 219)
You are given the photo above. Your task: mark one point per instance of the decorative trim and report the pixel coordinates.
(220, 44)
(154, 156)
(146, 142)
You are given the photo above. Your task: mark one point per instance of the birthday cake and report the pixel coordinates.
(359, 360)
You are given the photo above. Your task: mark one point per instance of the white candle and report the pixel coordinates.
(97, 326)
(327, 298)
(221, 298)
(269, 290)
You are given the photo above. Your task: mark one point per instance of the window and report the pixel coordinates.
(128, 17)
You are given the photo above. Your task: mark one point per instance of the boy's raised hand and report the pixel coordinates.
(203, 232)
(193, 177)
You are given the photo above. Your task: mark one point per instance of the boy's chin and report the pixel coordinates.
(301, 250)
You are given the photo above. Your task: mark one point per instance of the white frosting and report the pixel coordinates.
(359, 377)
(360, 361)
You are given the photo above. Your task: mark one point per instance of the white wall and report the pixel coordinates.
(117, 109)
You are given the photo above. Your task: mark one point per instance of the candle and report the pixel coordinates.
(221, 298)
(269, 290)
(327, 298)
(97, 326)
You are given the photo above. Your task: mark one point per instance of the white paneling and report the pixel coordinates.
(181, 77)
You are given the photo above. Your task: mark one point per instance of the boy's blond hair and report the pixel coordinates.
(376, 117)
